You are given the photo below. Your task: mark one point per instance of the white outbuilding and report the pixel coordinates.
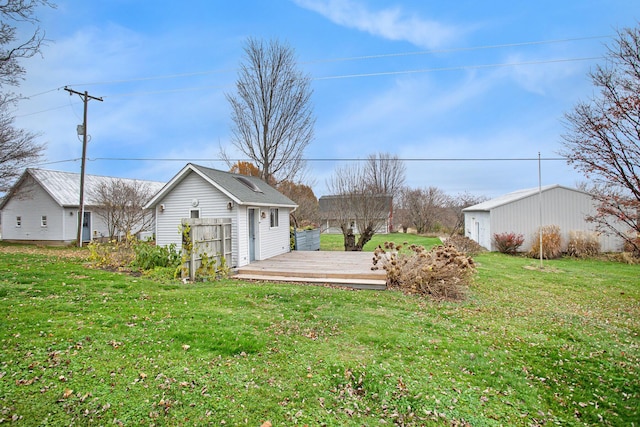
(258, 214)
(524, 211)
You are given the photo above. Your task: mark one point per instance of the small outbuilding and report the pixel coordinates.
(524, 211)
(42, 207)
(258, 213)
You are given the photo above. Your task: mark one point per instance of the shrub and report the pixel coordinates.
(441, 273)
(583, 244)
(112, 255)
(464, 244)
(551, 243)
(149, 256)
(508, 243)
(130, 252)
(631, 246)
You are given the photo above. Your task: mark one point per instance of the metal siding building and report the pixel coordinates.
(524, 211)
(43, 206)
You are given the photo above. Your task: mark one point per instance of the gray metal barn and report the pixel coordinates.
(523, 211)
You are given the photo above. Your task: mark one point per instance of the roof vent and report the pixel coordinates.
(249, 184)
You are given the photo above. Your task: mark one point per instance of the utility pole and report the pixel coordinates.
(85, 99)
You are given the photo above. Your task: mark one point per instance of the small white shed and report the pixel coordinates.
(259, 214)
(523, 211)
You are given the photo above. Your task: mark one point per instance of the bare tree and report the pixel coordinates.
(18, 147)
(386, 173)
(603, 139)
(271, 112)
(458, 203)
(356, 205)
(425, 208)
(120, 203)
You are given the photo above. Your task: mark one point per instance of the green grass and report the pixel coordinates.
(335, 242)
(529, 347)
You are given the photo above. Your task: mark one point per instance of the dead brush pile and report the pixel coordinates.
(443, 273)
(464, 244)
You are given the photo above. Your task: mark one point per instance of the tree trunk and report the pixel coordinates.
(349, 240)
(365, 236)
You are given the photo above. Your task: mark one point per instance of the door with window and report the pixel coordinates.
(252, 234)
(86, 227)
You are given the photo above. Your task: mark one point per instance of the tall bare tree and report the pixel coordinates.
(603, 138)
(120, 203)
(271, 111)
(18, 147)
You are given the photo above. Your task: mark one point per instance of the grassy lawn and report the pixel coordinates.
(529, 347)
(335, 242)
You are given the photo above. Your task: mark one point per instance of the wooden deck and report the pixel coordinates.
(351, 269)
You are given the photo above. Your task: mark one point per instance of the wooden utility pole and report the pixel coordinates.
(85, 99)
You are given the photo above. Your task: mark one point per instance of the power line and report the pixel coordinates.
(342, 159)
(344, 59)
(459, 49)
(457, 68)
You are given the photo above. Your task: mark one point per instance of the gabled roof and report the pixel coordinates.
(514, 196)
(64, 187)
(242, 189)
(329, 203)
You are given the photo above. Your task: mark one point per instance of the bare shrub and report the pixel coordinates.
(631, 246)
(464, 244)
(443, 273)
(583, 243)
(551, 243)
(508, 243)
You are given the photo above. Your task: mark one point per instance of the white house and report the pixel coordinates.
(336, 208)
(42, 207)
(524, 211)
(259, 214)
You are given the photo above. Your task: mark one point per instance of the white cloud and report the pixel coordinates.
(392, 23)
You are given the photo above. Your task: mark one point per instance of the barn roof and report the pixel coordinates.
(512, 197)
(242, 189)
(64, 187)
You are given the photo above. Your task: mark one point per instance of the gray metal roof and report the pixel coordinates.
(512, 197)
(243, 189)
(64, 187)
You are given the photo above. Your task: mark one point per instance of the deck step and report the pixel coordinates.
(372, 284)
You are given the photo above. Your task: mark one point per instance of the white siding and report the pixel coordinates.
(30, 203)
(478, 227)
(274, 241)
(178, 204)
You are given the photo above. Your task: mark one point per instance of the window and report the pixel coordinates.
(273, 213)
(43, 221)
(18, 221)
(195, 213)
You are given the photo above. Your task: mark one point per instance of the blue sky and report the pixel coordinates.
(419, 79)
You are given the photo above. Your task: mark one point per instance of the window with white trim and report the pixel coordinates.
(195, 213)
(43, 221)
(273, 215)
(18, 221)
